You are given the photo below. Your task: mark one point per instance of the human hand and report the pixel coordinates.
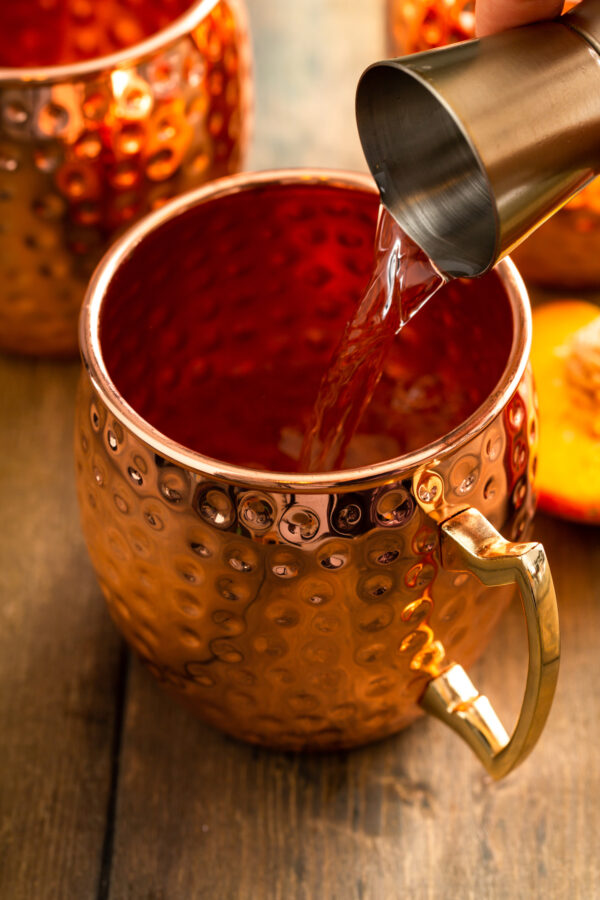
(497, 15)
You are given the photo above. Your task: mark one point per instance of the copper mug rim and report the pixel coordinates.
(298, 482)
(178, 28)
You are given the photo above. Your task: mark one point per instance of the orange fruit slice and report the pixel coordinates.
(566, 364)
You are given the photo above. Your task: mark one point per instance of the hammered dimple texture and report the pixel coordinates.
(36, 33)
(296, 621)
(222, 343)
(82, 159)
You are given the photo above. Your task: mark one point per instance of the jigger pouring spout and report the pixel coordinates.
(474, 145)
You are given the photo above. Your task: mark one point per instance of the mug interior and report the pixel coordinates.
(57, 32)
(219, 324)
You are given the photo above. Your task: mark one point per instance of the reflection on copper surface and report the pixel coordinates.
(271, 292)
(85, 152)
(285, 611)
(55, 32)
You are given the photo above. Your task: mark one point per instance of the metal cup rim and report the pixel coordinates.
(341, 480)
(173, 32)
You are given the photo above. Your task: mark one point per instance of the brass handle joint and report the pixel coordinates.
(471, 544)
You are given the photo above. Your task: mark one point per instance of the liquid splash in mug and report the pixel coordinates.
(403, 279)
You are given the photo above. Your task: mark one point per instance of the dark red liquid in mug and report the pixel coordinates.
(219, 327)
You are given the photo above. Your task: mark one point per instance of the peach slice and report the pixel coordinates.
(566, 363)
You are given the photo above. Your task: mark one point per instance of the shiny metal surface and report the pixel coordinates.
(475, 145)
(87, 147)
(564, 252)
(294, 610)
(470, 544)
(585, 19)
(484, 416)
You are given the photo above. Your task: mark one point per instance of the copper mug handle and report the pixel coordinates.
(470, 544)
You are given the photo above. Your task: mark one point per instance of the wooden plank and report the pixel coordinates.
(202, 816)
(197, 815)
(58, 651)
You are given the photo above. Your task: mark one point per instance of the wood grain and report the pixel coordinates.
(58, 651)
(199, 815)
(108, 790)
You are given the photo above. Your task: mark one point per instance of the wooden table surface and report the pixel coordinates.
(108, 790)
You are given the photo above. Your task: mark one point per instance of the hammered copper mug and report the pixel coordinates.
(107, 110)
(290, 609)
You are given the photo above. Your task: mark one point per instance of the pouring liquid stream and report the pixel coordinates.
(403, 280)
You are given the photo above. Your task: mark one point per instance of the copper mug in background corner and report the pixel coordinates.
(289, 609)
(106, 111)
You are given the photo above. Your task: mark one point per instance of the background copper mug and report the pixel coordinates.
(290, 609)
(106, 111)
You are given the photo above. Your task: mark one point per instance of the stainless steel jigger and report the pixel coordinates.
(475, 145)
